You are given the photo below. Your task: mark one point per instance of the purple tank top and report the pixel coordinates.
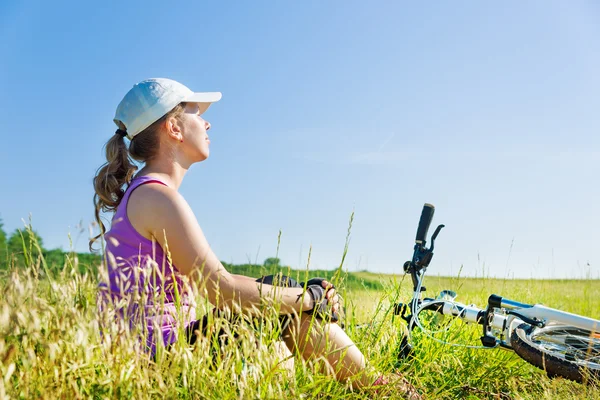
(146, 289)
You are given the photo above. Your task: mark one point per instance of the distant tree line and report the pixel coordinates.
(272, 266)
(23, 248)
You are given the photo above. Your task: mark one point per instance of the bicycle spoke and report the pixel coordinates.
(575, 345)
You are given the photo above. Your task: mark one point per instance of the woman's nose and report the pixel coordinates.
(207, 125)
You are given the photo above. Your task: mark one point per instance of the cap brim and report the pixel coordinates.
(203, 99)
(206, 97)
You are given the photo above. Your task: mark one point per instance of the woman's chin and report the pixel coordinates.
(203, 156)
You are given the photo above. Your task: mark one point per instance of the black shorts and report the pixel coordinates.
(200, 327)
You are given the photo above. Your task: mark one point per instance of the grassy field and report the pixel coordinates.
(50, 347)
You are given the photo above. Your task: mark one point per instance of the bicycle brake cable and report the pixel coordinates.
(415, 310)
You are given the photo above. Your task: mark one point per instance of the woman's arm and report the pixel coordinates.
(248, 293)
(244, 277)
(163, 214)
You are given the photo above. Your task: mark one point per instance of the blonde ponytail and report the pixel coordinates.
(119, 169)
(111, 178)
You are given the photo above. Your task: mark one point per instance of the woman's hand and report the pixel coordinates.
(324, 298)
(332, 297)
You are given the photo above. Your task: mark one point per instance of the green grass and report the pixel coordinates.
(50, 346)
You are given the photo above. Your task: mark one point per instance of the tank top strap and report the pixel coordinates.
(136, 182)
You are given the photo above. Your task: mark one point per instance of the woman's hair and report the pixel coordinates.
(119, 168)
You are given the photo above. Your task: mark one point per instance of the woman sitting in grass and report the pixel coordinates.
(155, 245)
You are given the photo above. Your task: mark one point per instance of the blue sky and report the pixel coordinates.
(488, 111)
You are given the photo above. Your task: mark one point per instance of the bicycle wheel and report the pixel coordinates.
(559, 350)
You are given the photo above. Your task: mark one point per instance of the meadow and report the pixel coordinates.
(50, 346)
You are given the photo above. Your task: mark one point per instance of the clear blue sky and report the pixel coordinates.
(489, 111)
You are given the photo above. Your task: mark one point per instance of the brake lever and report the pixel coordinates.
(435, 234)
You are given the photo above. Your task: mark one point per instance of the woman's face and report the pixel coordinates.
(195, 138)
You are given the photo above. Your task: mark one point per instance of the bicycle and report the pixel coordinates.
(561, 343)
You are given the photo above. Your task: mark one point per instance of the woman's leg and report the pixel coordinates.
(286, 357)
(313, 338)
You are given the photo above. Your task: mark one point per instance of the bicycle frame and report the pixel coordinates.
(560, 343)
(502, 315)
(547, 314)
(511, 315)
(541, 316)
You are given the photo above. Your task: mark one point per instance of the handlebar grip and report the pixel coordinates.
(424, 222)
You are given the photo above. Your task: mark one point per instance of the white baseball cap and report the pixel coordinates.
(151, 99)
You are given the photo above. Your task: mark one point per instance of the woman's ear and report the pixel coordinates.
(173, 128)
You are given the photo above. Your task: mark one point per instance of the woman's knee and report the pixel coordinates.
(284, 355)
(306, 333)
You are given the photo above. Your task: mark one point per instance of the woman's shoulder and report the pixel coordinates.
(158, 210)
(153, 206)
(154, 194)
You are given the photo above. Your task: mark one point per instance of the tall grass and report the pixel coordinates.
(51, 348)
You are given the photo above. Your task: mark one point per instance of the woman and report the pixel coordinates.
(155, 238)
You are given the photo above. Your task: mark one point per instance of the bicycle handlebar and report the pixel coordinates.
(424, 222)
